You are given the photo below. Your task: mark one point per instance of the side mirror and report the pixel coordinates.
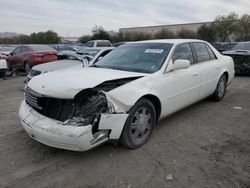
(181, 64)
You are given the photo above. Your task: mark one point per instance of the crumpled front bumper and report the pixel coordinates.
(78, 138)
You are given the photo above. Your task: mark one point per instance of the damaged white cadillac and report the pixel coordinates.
(124, 95)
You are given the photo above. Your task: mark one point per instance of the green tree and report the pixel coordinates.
(84, 39)
(243, 33)
(206, 33)
(100, 34)
(226, 27)
(186, 34)
(51, 37)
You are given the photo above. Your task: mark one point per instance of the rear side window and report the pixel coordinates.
(90, 44)
(211, 53)
(183, 51)
(103, 44)
(201, 52)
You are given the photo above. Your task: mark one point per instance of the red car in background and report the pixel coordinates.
(26, 56)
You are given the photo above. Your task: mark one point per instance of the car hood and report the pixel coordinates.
(56, 65)
(65, 84)
(237, 52)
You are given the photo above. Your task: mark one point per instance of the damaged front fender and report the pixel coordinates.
(101, 111)
(113, 122)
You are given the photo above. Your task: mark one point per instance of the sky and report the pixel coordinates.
(74, 18)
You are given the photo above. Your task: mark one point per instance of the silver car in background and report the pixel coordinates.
(70, 59)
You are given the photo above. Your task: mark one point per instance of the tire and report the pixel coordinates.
(220, 90)
(139, 124)
(2, 74)
(8, 66)
(27, 67)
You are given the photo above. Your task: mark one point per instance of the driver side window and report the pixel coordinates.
(183, 51)
(16, 51)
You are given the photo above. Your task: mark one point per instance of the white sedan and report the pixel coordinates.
(3, 63)
(124, 95)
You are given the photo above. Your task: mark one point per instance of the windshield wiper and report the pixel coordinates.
(96, 66)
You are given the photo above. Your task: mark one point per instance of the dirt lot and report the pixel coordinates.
(205, 145)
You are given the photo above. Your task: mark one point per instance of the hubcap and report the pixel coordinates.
(221, 86)
(140, 124)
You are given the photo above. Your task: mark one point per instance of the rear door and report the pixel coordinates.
(209, 68)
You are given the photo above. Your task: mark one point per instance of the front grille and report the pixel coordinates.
(58, 109)
(242, 64)
(34, 73)
(31, 97)
(239, 59)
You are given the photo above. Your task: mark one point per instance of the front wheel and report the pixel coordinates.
(9, 68)
(220, 89)
(139, 124)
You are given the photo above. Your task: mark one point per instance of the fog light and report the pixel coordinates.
(98, 136)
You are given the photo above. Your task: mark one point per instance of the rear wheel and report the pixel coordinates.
(220, 89)
(27, 67)
(139, 124)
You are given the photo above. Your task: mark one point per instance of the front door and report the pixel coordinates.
(181, 87)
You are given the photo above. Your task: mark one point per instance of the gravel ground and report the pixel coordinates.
(205, 145)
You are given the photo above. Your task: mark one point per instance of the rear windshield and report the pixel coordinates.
(39, 48)
(103, 44)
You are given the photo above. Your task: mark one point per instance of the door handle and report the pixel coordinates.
(195, 74)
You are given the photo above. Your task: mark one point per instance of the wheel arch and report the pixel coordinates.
(225, 72)
(156, 102)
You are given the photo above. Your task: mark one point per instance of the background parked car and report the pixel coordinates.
(69, 47)
(3, 63)
(224, 46)
(119, 44)
(26, 56)
(70, 59)
(241, 56)
(98, 43)
(3, 66)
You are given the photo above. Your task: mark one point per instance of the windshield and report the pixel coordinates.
(136, 57)
(242, 46)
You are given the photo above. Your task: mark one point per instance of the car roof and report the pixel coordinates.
(38, 47)
(172, 41)
(99, 41)
(99, 48)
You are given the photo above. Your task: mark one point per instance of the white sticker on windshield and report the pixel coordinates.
(156, 51)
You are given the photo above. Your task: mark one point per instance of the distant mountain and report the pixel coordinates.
(8, 34)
